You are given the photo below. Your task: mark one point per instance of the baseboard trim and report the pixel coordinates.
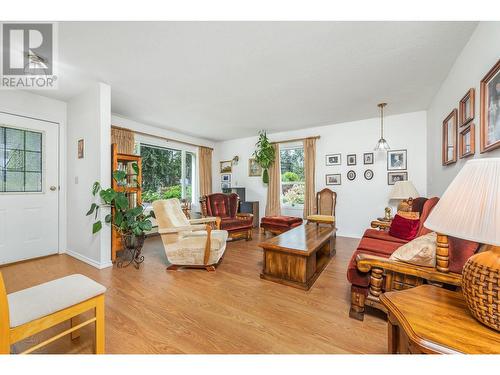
(89, 261)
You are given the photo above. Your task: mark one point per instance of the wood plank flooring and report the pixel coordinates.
(231, 310)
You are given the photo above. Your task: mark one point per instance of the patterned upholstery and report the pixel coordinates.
(186, 247)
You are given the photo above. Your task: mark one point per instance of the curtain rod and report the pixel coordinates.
(296, 139)
(159, 136)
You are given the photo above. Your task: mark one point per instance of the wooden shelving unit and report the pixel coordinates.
(132, 189)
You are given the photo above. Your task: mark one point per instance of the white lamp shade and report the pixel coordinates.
(470, 207)
(403, 190)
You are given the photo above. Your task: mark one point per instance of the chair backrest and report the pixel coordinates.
(326, 201)
(418, 204)
(168, 213)
(220, 205)
(4, 318)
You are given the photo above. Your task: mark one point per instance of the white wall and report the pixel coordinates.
(476, 59)
(359, 201)
(89, 117)
(24, 103)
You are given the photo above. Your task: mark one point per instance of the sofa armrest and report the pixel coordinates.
(366, 262)
(207, 220)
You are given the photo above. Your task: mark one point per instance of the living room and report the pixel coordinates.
(269, 187)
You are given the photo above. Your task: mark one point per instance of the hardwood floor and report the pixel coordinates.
(231, 310)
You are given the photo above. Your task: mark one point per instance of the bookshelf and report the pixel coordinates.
(132, 188)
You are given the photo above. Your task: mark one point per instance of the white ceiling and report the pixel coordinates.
(224, 80)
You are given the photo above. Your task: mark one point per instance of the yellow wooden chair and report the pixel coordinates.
(326, 201)
(30, 311)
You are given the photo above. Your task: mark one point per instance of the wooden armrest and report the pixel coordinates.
(183, 229)
(366, 262)
(244, 216)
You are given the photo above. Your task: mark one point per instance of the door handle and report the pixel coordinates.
(53, 188)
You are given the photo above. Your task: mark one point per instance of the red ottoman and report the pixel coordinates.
(279, 224)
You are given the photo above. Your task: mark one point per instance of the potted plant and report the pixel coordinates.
(130, 222)
(264, 155)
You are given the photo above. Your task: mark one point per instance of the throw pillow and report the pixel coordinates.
(421, 251)
(404, 228)
(409, 214)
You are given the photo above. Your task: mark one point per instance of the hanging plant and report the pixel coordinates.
(264, 155)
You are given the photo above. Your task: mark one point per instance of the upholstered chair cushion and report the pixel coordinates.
(47, 298)
(222, 205)
(404, 228)
(382, 235)
(421, 251)
(282, 221)
(190, 248)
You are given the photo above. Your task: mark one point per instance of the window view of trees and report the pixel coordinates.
(162, 176)
(292, 176)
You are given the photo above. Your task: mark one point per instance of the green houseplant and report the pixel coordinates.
(130, 222)
(264, 155)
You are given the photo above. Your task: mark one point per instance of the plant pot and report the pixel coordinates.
(132, 242)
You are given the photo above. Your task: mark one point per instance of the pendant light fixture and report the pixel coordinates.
(382, 144)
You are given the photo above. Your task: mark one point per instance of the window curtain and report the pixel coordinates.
(273, 205)
(205, 156)
(310, 176)
(124, 139)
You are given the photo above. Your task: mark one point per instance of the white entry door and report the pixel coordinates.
(29, 188)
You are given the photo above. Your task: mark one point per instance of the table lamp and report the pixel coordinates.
(470, 210)
(405, 192)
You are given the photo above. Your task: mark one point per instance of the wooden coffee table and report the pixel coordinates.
(433, 320)
(297, 257)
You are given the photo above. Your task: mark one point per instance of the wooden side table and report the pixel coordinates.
(432, 320)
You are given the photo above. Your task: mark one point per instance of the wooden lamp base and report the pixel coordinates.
(481, 286)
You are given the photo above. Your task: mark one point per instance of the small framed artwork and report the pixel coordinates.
(393, 177)
(450, 138)
(351, 175)
(254, 168)
(225, 185)
(368, 158)
(396, 160)
(333, 159)
(368, 174)
(334, 179)
(81, 148)
(225, 178)
(467, 141)
(466, 108)
(490, 109)
(351, 159)
(226, 166)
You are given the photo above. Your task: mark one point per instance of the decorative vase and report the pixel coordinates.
(481, 286)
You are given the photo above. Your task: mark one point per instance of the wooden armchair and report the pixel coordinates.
(326, 200)
(188, 243)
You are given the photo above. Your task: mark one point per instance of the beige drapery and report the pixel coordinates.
(310, 176)
(205, 156)
(273, 205)
(124, 139)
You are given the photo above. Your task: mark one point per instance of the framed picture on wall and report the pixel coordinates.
(368, 174)
(466, 144)
(490, 109)
(368, 158)
(333, 159)
(225, 178)
(450, 138)
(466, 108)
(254, 169)
(351, 175)
(226, 166)
(334, 179)
(393, 177)
(81, 148)
(225, 185)
(396, 160)
(351, 159)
